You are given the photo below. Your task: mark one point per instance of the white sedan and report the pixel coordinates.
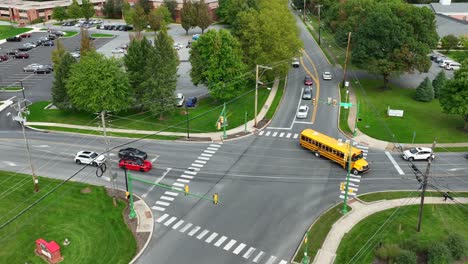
(178, 46)
(327, 76)
(302, 111)
(118, 50)
(89, 157)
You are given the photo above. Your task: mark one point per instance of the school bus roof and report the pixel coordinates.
(332, 142)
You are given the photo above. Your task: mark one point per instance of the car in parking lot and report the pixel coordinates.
(25, 48)
(420, 153)
(44, 69)
(178, 46)
(25, 35)
(302, 111)
(132, 152)
(21, 55)
(191, 102)
(13, 39)
(32, 67)
(135, 164)
(75, 54)
(12, 52)
(180, 99)
(327, 75)
(3, 58)
(118, 50)
(307, 94)
(196, 37)
(48, 43)
(308, 80)
(189, 44)
(89, 157)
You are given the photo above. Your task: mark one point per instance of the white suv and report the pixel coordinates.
(89, 157)
(418, 154)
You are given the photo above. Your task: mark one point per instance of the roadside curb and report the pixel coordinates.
(147, 209)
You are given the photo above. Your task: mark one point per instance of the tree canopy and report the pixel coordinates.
(60, 13)
(74, 10)
(59, 92)
(87, 9)
(187, 15)
(228, 9)
(216, 59)
(203, 15)
(135, 62)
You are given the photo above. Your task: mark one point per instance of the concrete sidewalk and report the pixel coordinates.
(214, 136)
(361, 210)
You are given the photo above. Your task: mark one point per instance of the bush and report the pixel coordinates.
(37, 20)
(438, 253)
(438, 83)
(425, 91)
(388, 252)
(457, 246)
(406, 257)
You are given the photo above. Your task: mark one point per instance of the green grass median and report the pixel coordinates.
(10, 31)
(80, 212)
(69, 34)
(100, 35)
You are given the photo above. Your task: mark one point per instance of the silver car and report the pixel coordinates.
(32, 67)
(302, 112)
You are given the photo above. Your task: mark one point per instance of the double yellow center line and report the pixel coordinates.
(316, 79)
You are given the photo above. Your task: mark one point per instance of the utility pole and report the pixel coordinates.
(304, 10)
(319, 26)
(108, 157)
(424, 188)
(346, 59)
(345, 202)
(256, 89)
(22, 121)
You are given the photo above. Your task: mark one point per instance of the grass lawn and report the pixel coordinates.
(11, 88)
(9, 31)
(96, 228)
(201, 118)
(100, 35)
(344, 114)
(274, 105)
(438, 222)
(425, 119)
(457, 55)
(451, 149)
(372, 197)
(69, 34)
(319, 231)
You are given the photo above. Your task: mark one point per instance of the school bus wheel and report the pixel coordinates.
(355, 172)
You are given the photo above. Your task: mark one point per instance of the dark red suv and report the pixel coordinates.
(3, 58)
(21, 56)
(308, 80)
(25, 35)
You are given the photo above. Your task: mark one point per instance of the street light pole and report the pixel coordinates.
(423, 193)
(256, 89)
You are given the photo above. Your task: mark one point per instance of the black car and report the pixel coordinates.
(52, 36)
(433, 57)
(132, 152)
(14, 39)
(12, 52)
(48, 43)
(25, 48)
(44, 69)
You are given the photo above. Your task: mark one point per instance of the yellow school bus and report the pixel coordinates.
(323, 145)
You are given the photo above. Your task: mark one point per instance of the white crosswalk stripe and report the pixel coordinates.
(211, 237)
(267, 133)
(160, 219)
(162, 209)
(204, 158)
(249, 253)
(281, 134)
(229, 244)
(239, 249)
(288, 135)
(167, 198)
(258, 257)
(178, 224)
(271, 260)
(220, 241)
(186, 176)
(274, 134)
(215, 145)
(190, 172)
(186, 227)
(210, 148)
(202, 234)
(295, 136)
(261, 133)
(162, 203)
(170, 221)
(283, 262)
(183, 180)
(194, 230)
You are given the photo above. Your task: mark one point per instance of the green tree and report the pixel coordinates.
(161, 75)
(59, 92)
(109, 9)
(216, 59)
(98, 84)
(146, 5)
(393, 38)
(60, 13)
(454, 95)
(187, 15)
(228, 9)
(438, 253)
(86, 43)
(406, 257)
(457, 245)
(157, 16)
(438, 83)
(119, 6)
(203, 15)
(135, 63)
(464, 41)
(425, 91)
(449, 42)
(74, 10)
(171, 6)
(87, 9)
(127, 13)
(138, 19)
(58, 52)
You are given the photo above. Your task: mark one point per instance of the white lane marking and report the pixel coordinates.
(178, 184)
(166, 198)
(215, 145)
(283, 262)
(303, 122)
(203, 158)
(185, 228)
(197, 165)
(162, 203)
(271, 260)
(295, 136)
(259, 255)
(9, 163)
(170, 221)
(267, 133)
(157, 181)
(206, 155)
(215, 149)
(176, 188)
(400, 171)
(261, 132)
(41, 146)
(211, 237)
(354, 180)
(194, 230)
(171, 193)
(281, 134)
(183, 180)
(248, 253)
(202, 234)
(186, 176)
(209, 151)
(239, 249)
(288, 135)
(153, 160)
(200, 161)
(274, 134)
(178, 224)
(194, 169)
(230, 244)
(160, 219)
(220, 241)
(362, 147)
(158, 208)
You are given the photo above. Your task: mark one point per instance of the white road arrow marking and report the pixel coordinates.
(9, 163)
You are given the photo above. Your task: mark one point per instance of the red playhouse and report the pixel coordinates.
(50, 251)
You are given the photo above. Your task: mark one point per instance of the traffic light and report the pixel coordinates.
(334, 102)
(218, 125)
(342, 186)
(221, 120)
(215, 198)
(127, 195)
(313, 101)
(186, 189)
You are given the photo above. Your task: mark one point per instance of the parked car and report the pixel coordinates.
(25, 35)
(440, 58)
(178, 46)
(327, 76)
(25, 48)
(295, 63)
(308, 80)
(302, 111)
(48, 43)
(30, 44)
(180, 99)
(453, 66)
(135, 164)
(189, 44)
(13, 39)
(32, 67)
(75, 54)
(21, 55)
(307, 94)
(12, 52)
(118, 50)
(445, 63)
(51, 36)
(421, 153)
(191, 102)
(89, 157)
(132, 152)
(44, 69)
(433, 57)
(3, 58)
(196, 37)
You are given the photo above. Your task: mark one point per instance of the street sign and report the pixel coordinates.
(346, 104)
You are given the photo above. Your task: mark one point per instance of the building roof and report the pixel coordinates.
(452, 8)
(26, 5)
